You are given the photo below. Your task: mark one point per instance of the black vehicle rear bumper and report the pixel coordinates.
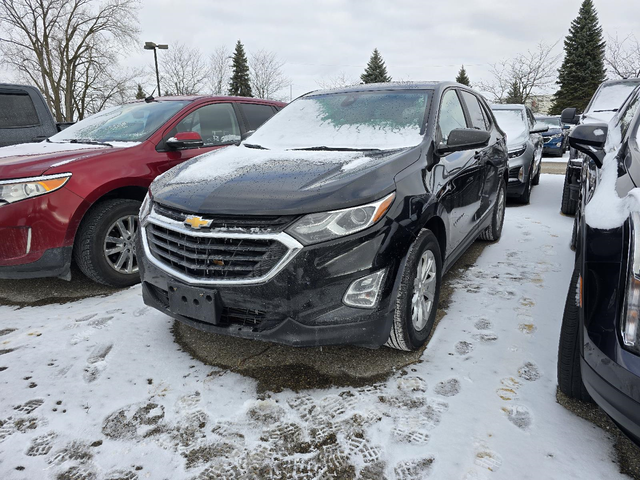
(54, 262)
(623, 409)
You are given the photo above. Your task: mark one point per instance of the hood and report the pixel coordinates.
(551, 131)
(245, 181)
(514, 141)
(33, 159)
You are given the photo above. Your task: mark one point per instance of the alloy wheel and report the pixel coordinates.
(119, 245)
(424, 290)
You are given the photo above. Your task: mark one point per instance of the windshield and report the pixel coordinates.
(611, 97)
(512, 122)
(133, 122)
(551, 122)
(354, 120)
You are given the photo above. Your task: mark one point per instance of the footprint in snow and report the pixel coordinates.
(121, 475)
(487, 458)
(96, 362)
(448, 388)
(41, 445)
(527, 328)
(486, 337)
(464, 348)
(7, 331)
(483, 324)
(519, 415)
(415, 469)
(85, 318)
(28, 407)
(529, 371)
(412, 384)
(507, 394)
(140, 311)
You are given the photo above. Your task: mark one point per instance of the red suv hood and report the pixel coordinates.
(33, 159)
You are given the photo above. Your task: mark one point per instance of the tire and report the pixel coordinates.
(568, 206)
(494, 231)
(91, 243)
(574, 234)
(405, 333)
(569, 375)
(525, 198)
(536, 179)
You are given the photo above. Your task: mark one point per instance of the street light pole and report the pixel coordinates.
(153, 46)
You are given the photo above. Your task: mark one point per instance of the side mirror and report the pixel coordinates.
(590, 140)
(570, 116)
(246, 135)
(464, 139)
(539, 128)
(184, 140)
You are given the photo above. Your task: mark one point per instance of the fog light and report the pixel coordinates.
(521, 175)
(364, 292)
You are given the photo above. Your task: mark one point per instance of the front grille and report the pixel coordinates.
(513, 172)
(214, 258)
(268, 223)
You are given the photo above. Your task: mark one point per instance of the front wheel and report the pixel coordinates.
(536, 179)
(105, 244)
(418, 295)
(569, 374)
(568, 205)
(493, 232)
(525, 198)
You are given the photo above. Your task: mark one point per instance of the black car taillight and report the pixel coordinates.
(630, 322)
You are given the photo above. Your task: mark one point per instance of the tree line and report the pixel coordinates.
(71, 50)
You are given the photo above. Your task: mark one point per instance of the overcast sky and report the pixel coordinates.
(418, 39)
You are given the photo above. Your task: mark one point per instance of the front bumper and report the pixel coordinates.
(302, 304)
(35, 235)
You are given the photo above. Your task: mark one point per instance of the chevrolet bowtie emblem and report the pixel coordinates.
(197, 222)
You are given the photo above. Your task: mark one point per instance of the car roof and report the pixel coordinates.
(373, 87)
(622, 80)
(507, 106)
(206, 98)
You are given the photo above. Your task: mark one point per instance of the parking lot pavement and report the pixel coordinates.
(99, 388)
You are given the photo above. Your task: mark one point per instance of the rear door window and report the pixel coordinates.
(17, 110)
(256, 114)
(475, 111)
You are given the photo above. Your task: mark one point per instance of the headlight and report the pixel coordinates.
(630, 323)
(12, 191)
(556, 136)
(516, 152)
(145, 208)
(320, 227)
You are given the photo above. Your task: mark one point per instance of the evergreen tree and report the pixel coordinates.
(582, 69)
(240, 85)
(462, 77)
(514, 95)
(140, 94)
(376, 71)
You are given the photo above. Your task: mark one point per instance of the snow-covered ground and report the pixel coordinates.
(98, 389)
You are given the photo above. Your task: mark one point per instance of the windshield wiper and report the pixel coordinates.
(253, 145)
(609, 110)
(89, 142)
(338, 149)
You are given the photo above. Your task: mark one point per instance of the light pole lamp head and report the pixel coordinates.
(163, 47)
(150, 45)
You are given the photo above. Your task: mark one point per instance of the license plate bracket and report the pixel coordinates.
(195, 303)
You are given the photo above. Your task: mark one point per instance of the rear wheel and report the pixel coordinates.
(569, 374)
(105, 244)
(493, 232)
(417, 301)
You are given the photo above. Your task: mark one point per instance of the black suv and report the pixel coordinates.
(333, 223)
(604, 104)
(599, 352)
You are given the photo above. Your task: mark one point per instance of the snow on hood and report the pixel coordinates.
(44, 148)
(606, 210)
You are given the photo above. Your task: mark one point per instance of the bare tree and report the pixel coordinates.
(337, 81)
(267, 78)
(530, 72)
(220, 70)
(61, 45)
(623, 56)
(183, 71)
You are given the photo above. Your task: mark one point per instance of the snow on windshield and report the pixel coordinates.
(611, 97)
(512, 122)
(358, 120)
(133, 122)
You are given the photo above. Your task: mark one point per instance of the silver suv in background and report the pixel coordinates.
(525, 148)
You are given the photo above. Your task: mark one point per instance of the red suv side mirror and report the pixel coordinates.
(184, 140)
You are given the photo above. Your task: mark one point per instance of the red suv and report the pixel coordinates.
(77, 194)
